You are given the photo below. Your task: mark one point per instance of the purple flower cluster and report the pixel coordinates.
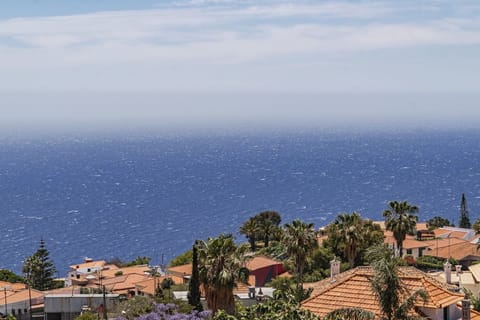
(169, 312)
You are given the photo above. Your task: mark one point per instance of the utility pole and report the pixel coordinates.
(5, 292)
(104, 305)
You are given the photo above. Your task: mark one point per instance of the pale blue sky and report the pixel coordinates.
(186, 49)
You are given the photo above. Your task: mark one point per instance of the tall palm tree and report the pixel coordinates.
(221, 266)
(300, 241)
(396, 301)
(349, 229)
(251, 229)
(401, 219)
(268, 229)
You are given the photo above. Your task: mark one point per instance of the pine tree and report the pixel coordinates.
(39, 269)
(194, 285)
(464, 219)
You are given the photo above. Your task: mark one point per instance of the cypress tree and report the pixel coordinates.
(464, 218)
(194, 285)
(40, 269)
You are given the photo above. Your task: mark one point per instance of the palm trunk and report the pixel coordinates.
(221, 299)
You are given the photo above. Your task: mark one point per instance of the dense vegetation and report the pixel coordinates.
(39, 269)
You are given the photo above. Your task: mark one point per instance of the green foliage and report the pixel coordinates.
(118, 273)
(264, 226)
(221, 266)
(167, 283)
(428, 262)
(194, 283)
(350, 314)
(476, 226)
(270, 310)
(464, 217)
(396, 301)
(139, 261)
(9, 276)
(133, 307)
(349, 237)
(474, 299)
(275, 250)
(401, 219)
(39, 269)
(300, 241)
(251, 230)
(438, 222)
(182, 259)
(87, 316)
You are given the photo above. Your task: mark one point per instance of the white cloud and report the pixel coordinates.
(216, 33)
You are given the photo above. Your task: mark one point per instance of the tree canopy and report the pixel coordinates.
(401, 219)
(438, 222)
(464, 216)
(221, 266)
(39, 269)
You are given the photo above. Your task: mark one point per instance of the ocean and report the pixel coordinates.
(153, 194)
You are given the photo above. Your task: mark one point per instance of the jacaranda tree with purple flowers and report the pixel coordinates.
(169, 311)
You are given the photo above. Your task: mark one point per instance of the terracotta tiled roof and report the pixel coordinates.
(185, 269)
(99, 263)
(243, 287)
(409, 243)
(453, 232)
(122, 283)
(141, 269)
(460, 250)
(353, 289)
(474, 315)
(444, 242)
(421, 226)
(259, 262)
(23, 295)
(12, 286)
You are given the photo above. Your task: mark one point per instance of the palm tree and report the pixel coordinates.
(268, 229)
(349, 229)
(251, 229)
(221, 264)
(400, 218)
(300, 241)
(396, 301)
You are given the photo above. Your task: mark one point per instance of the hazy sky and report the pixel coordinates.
(234, 60)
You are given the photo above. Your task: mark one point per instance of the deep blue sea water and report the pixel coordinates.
(154, 194)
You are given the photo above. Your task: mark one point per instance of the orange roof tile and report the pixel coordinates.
(91, 264)
(185, 269)
(243, 287)
(421, 226)
(110, 273)
(458, 251)
(353, 289)
(12, 286)
(409, 242)
(259, 262)
(24, 295)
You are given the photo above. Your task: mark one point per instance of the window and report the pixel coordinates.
(409, 251)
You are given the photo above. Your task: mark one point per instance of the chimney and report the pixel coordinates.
(466, 308)
(447, 267)
(458, 269)
(251, 292)
(334, 268)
